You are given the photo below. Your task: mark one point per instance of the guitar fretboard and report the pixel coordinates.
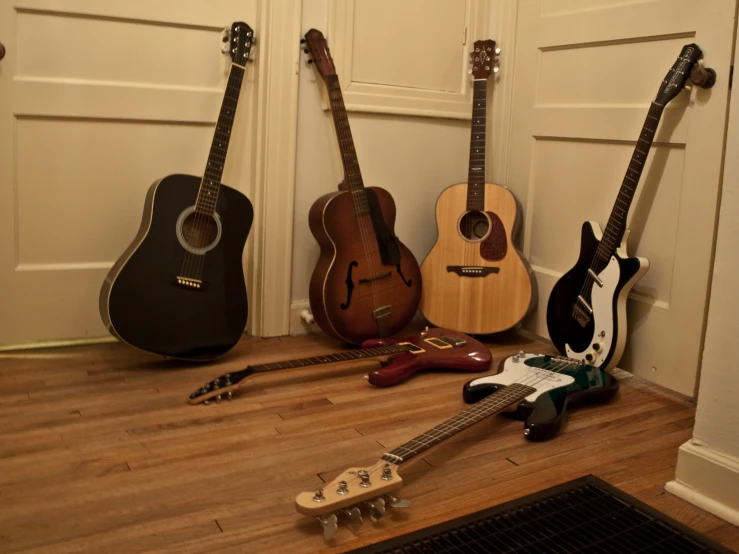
(208, 193)
(616, 226)
(352, 174)
(336, 357)
(495, 403)
(476, 176)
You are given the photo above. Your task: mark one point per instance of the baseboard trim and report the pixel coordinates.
(708, 479)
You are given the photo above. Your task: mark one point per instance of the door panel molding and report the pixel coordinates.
(379, 97)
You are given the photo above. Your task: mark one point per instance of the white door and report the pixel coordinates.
(585, 72)
(97, 101)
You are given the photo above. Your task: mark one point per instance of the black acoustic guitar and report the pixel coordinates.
(179, 290)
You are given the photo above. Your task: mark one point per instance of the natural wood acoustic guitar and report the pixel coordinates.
(366, 283)
(474, 279)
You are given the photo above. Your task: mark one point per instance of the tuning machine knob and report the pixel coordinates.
(355, 517)
(330, 525)
(364, 478)
(397, 502)
(376, 508)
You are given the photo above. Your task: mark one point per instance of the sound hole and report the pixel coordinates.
(474, 225)
(199, 230)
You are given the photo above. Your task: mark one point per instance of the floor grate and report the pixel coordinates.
(584, 515)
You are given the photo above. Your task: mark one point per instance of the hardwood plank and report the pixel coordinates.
(103, 453)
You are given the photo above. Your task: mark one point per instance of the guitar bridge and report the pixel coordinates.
(189, 283)
(472, 270)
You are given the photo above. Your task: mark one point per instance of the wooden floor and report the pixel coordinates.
(100, 451)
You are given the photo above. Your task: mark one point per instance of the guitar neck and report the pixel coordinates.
(616, 226)
(208, 193)
(346, 355)
(352, 174)
(493, 404)
(476, 176)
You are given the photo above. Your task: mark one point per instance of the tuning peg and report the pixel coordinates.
(229, 395)
(469, 71)
(330, 525)
(497, 51)
(310, 61)
(496, 69)
(206, 402)
(688, 88)
(225, 38)
(376, 508)
(355, 517)
(305, 50)
(397, 502)
(302, 41)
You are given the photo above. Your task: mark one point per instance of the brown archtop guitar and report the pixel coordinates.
(366, 283)
(474, 279)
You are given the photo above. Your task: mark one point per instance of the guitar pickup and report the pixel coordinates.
(454, 341)
(438, 343)
(472, 270)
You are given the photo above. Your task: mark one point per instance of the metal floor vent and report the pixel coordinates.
(584, 515)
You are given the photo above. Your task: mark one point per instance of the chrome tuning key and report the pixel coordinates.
(329, 524)
(397, 502)
(355, 517)
(376, 508)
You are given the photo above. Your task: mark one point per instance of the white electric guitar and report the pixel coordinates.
(586, 313)
(532, 387)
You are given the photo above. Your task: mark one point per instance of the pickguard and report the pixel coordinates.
(349, 287)
(543, 380)
(495, 247)
(603, 303)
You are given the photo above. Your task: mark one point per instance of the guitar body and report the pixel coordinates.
(445, 353)
(602, 340)
(141, 301)
(458, 291)
(343, 302)
(558, 386)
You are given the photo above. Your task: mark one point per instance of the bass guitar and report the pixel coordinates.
(474, 279)
(366, 282)
(536, 388)
(178, 290)
(586, 312)
(431, 349)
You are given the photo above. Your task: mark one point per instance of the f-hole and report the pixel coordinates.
(408, 283)
(349, 286)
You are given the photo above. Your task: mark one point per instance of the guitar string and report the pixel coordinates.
(233, 91)
(589, 280)
(473, 253)
(471, 413)
(193, 263)
(343, 127)
(457, 423)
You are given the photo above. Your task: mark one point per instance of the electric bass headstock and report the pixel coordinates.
(219, 387)
(678, 75)
(240, 38)
(317, 47)
(356, 488)
(484, 59)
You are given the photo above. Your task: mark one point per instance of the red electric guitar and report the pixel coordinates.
(432, 349)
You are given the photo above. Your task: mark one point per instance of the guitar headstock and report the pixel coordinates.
(219, 387)
(484, 59)
(240, 38)
(317, 47)
(354, 489)
(678, 75)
